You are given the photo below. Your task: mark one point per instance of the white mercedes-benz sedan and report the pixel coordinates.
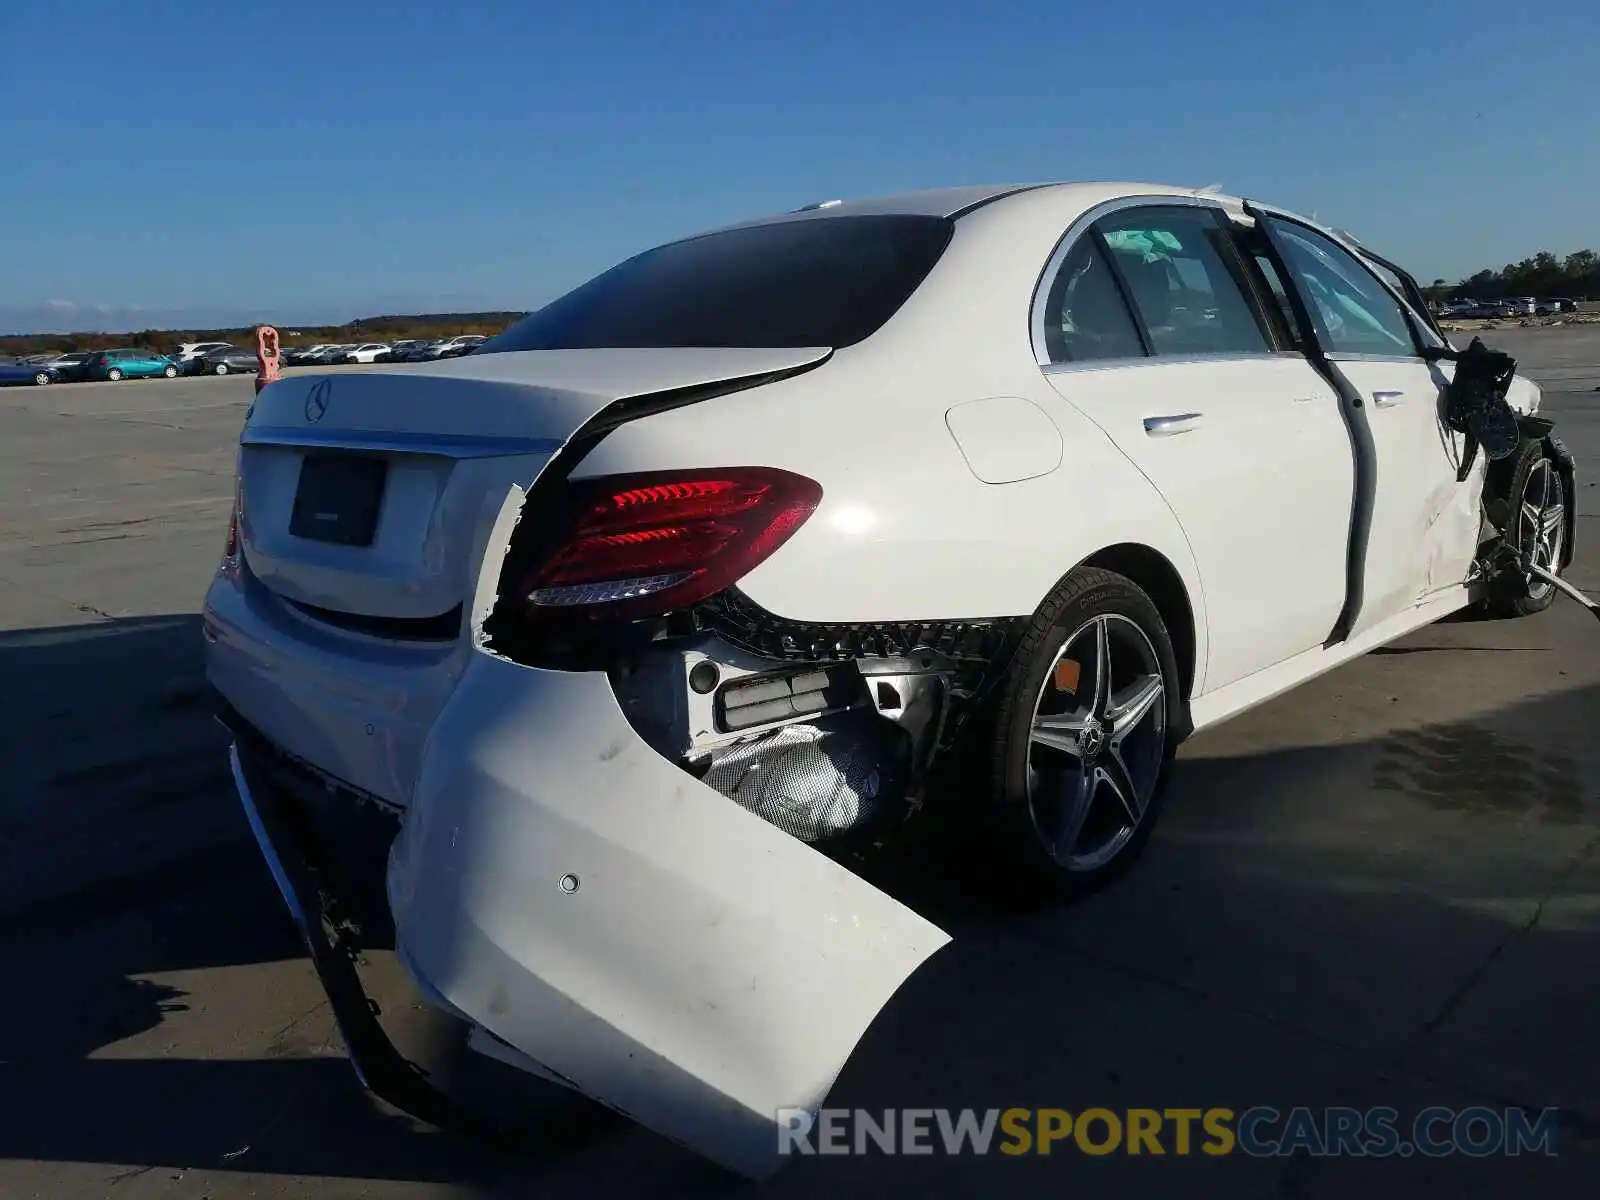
(626, 628)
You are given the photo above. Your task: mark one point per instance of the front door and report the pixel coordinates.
(1423, 532)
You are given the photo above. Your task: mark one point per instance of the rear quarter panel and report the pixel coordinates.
(906, 530)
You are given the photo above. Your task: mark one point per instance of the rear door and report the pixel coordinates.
(1152, 327)
(1423, 532)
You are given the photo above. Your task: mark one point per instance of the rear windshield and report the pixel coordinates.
(829, 281)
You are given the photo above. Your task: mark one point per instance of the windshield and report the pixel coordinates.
(820, 282)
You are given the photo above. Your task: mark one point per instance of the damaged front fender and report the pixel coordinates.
(628, 928)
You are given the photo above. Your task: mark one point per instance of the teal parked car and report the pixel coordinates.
(130, 364)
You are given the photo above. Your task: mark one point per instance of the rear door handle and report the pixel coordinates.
(1387, 399)
(1170, 425)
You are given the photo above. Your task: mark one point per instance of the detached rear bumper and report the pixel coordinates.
(635, 934)
(326, 897)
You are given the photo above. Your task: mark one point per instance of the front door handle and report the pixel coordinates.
(1387, 399)
(1170, 425)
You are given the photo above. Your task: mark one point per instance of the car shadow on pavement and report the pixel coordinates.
(1334, 924)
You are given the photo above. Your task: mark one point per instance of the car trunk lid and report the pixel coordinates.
(363, 494)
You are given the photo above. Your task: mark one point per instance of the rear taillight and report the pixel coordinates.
(642, 545)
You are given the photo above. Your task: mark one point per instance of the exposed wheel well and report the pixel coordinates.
(1159, 580)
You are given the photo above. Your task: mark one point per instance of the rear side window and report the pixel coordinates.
(830, 281)
(1186, 281)
(1085, 316)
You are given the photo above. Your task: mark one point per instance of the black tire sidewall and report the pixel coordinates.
(1084, 595)
(1508, 598)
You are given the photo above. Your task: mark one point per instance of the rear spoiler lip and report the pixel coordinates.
(631, 408)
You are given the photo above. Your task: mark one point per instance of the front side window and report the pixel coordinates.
(830, 281)
(1185, 280)
(1354, 313)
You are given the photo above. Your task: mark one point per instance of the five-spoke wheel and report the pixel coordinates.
(1098, 738)
(1082, 735)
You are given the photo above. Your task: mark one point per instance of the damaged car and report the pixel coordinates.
(627, 626)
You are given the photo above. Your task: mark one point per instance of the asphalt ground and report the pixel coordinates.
(1380, 890)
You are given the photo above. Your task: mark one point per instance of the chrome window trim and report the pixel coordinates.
(1394, 358)
(1167, 360)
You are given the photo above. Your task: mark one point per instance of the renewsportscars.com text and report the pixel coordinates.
(1260, 1132)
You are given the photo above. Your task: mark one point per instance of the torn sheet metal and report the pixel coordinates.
(669, 953)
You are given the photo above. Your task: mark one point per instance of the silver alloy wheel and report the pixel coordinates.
(42, 378)
(1097, 743)
(114, 375)
(1541, 523)
(171, 372)
(222, 368)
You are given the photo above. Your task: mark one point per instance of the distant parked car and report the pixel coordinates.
(70, 367)
(417, 351)
(116, 365)
(299, 356)
(329, 354)
(1491, 310)
(230, 360)
(366, 352)
(397, 351)
(1552, 305)
(22, 372)
(454, 347)
(189, 350)
(457, 346)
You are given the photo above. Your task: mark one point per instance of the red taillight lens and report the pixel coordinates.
(642, 545)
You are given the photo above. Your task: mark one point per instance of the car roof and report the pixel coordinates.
(957, 201)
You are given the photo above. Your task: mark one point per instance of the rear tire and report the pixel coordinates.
(1081, 742)
(1530, 506)
(114, 375)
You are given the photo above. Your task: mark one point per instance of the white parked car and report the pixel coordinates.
(629, 625)
(189, 350)
(366, 352)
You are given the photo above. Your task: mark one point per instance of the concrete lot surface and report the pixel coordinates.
(1383, 889)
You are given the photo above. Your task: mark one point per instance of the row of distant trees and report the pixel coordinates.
(165, 341)
(1576, 277)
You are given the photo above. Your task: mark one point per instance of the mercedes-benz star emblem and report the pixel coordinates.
(1091, 741)
(317, 400)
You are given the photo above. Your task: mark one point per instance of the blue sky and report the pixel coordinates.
(173, 162)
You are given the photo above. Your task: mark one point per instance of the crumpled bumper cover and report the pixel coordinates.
(640, 937)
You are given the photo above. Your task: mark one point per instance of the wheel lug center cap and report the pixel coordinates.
(1092, 740)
